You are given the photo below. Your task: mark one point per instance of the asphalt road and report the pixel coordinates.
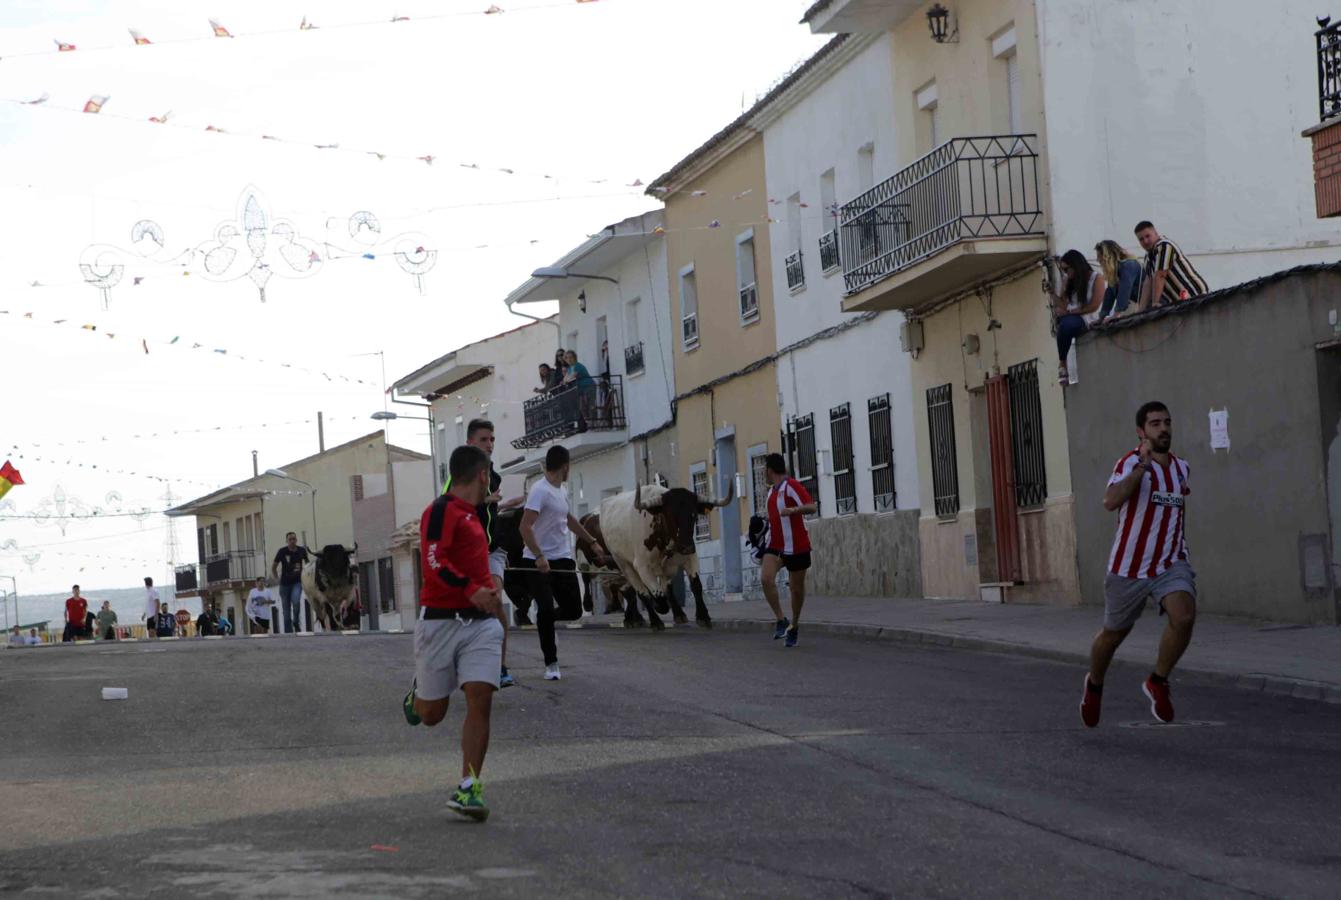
(681, 764)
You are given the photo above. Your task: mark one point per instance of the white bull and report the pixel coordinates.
(650, 533)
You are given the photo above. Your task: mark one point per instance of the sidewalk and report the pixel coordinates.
(1299, 660)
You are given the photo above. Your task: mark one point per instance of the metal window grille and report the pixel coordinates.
(1329, 70)
(1026, 434)
(702, 529)
(944, 461)
(844, 477)
(758, 466)
(965, 189)
(749, 303)
(881, 428)
(386, 585)
(804, 467)
(633, 359)
(689, 329)
(828, 248)
(796, 272)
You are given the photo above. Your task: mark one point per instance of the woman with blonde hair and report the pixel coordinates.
(1123, 275)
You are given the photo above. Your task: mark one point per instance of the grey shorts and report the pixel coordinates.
(449, 653)
(498, 561)
(1124, 598)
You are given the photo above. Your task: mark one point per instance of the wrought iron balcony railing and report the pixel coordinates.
(187, 579)
(966, 189)
(796, 272)
(689, 331)
(828, 250)
(1329, 69)
(237, 565)
(573, 409)
(633, 359)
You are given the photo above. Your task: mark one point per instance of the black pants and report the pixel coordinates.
(557, 596)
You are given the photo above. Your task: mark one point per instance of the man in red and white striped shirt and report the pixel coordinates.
(788, 544)
(1149, 488)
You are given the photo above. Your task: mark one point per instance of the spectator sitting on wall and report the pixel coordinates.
(106, 622)
(33, 639)
(1122, 273)
(1082, 288)
(1168, 275)
(165, 624)
(16, 637)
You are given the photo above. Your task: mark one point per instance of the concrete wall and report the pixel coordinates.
(866, 556)
(1187, 114)
(1255, 509)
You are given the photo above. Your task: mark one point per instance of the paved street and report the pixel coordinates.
(673, 765)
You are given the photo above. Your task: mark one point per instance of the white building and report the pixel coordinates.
(613, 311)
(843, 386)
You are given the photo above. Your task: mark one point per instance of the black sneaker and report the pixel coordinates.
(781, 629)
(791, 637)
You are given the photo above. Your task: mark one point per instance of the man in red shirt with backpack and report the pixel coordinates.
(458, 640)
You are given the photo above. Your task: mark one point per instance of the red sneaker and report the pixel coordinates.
(1161, 707)
(1090, 702)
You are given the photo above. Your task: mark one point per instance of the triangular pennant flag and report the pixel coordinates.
(159, 120)
(95, 103)
(219, 30)
(63, 47)
(139, 39)
(305, 25)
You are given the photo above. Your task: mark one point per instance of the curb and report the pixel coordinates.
(1297, 688)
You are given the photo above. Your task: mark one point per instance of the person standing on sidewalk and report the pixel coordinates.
(788, 543)
(545, 528)
(106, 622)
(480, 433)
(288, 568)
(151, 603)
(1149, 560)
(76, 612)
(458, 640)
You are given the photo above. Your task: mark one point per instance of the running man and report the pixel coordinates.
(545, 528)
(480, 433)
(458, 640)
(788, 543)
(1149, 560)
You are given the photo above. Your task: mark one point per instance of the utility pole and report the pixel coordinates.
(321, 433)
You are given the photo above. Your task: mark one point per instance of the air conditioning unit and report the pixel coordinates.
(911, 337)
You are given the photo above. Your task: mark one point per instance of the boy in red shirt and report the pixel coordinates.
(788, 543)
(76, 612)
(458, 640)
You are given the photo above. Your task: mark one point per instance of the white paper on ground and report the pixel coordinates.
(115, 693)
(1219, 429)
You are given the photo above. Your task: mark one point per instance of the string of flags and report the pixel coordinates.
(9, 478)
(210, 430)
(219, 30)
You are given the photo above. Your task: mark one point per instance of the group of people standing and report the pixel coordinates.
(1122, 284)
(81, 623)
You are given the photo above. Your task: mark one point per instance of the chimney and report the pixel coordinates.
(255, 469)
(321, 434)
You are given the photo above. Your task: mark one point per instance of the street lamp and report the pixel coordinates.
(561, 272)
(15, 593)
(938, 20)
(280, 473)
(387, 416)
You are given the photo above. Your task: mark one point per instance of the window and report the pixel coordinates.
(356, 482)
(602, 346)
(928, 124)
(1004, 51)
(698, 476)
(844, 477)
(758, 483)
(803, 454)
(746, 278)
(251, 534)
(1026, 435)
(366, 582)
(882, 452)
(227, 538)
(828, 242)
(944, 463)
(795, 268)
(631, 334)
(689, 308)
(386, 585)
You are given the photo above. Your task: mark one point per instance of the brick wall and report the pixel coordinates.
(1327, 170)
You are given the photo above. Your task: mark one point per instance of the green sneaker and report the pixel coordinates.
(469, 802)
(408, 708)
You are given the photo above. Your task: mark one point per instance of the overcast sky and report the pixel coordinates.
(595, 95)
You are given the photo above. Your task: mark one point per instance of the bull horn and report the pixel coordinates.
(730, 495)
(637, 496)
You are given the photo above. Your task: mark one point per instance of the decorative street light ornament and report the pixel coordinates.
(256, 246)
(101, 268)
(414, 259)
(412, 250)
(938, 19)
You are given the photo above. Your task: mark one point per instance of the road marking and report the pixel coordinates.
(1191, 723)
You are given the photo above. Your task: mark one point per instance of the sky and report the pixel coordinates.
(595, 95)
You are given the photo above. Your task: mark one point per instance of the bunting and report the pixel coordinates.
(9, 477)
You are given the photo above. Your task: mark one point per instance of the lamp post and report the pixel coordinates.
(15, 593)
(388, 416)
(280, 473)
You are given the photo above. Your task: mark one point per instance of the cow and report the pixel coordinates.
(650, 534)
(329, 581)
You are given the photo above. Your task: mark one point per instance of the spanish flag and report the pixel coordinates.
(9, 476)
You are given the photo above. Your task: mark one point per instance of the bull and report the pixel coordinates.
(649, 532)
(616, 587)
(329, 582)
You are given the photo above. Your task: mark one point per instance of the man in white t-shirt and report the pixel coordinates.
(259, 604)
(545, 528)
(151, 604)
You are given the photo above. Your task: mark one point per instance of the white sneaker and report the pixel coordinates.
(552, 672)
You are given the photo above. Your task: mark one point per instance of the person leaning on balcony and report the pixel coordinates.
(549, 379)
(579, 377)
(1082, 289)
(1123, 274)
(1168, 275)
(560, 366)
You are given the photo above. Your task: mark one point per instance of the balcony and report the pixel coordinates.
(965, 213)
(796, 272)
(1326, 135)
(187, 580)
(236, 565)
(571, 410)
(828, 251)
(633, 359)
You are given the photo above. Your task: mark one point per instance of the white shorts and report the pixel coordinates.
(451, 652)
(498, 562)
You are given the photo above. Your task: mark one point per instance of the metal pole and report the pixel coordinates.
(314, 516)
(321, 436)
